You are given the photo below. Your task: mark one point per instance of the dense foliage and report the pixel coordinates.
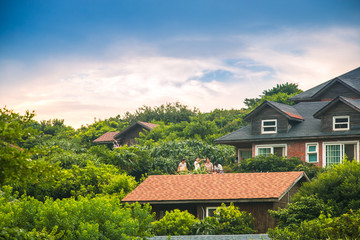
(226, 220)
(334, 193)
(275, 163)
(101, 217)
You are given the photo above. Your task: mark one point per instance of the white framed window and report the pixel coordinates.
(334, 152)
(210, 211)
(276, 149)
(269, 126)
(312, 152)
(341, 123)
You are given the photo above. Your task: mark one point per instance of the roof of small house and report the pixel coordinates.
(350, 79)
(106, 137)
(110, 137)
(270, 186)
(145, 125)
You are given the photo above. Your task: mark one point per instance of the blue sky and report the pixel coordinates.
(78, 60)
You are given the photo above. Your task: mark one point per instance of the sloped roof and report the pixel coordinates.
(106, 137)
(286, 110)
(310, 128)
(350, 79)
(353, 103)
(205, 187)
(147, 126)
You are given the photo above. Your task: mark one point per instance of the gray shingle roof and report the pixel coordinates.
(350, 79)
(286, 110)
(310, 128)
(353, 103)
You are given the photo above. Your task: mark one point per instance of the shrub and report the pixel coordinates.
(338, 187)
(175, 222)
(101, 217)
(344, 227)
(275, 163)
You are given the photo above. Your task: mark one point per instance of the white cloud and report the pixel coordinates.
(79, 89)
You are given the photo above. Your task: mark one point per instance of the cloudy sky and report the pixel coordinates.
(80, 60)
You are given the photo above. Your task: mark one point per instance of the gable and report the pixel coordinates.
(339, 108)
(268, 113)
(334, 90)
(347, 85)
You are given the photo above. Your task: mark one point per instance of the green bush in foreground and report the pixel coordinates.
(101, 217)
(347, 226)
(175, 222)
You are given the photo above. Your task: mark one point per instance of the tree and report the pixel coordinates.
(17, 163)
(281, 93)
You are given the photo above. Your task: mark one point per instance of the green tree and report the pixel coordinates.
(281, 93)
(338, 187)
(18, 163)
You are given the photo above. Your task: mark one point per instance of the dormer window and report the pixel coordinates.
(269, 126)
(341, 123)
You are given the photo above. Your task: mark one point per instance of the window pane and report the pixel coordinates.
(312, 148)
(269, 129)
(312, 157)
(264, 151)
(333, 154)
(245, 154)
(270, 123)
(341, 120)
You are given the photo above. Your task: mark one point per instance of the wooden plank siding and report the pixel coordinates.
(340, 109)
(267, 114)
(337, 89)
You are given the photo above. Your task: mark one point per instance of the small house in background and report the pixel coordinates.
(127, 136)
(201, 194)
(321, 128)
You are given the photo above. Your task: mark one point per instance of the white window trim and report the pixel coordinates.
(307, 152)
(210, 208)
(271, 146)
(268, 120)
(341, 129)
(337, 143)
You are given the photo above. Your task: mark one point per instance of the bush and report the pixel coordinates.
(344, 227)
(226, 220)
(338, 187)
(305, 208)
(275, 163)
(175, 222)
(101, 217)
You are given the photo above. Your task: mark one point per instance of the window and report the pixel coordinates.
(341, 123)
(269, 126)
(244, 154)
(335, 152)
(210, 211)
(266, 150)
(312, 152)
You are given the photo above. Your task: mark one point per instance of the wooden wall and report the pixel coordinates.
(268, 113)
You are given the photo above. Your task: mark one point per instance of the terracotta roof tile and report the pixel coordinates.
(106, 137)
(214, 186)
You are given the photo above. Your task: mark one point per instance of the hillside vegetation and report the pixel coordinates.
(56, 184)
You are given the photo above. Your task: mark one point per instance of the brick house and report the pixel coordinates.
(126, 136)
(321, 128)
(201, 194)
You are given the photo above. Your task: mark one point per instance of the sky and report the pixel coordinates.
(85, 60)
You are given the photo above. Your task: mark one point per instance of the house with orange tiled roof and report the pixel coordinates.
(126, 136)
(201, 194)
